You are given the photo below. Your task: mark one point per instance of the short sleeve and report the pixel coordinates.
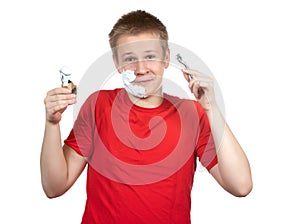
(80, 138)
(205, 148)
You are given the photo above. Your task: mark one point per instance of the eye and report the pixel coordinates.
(130, 59)
(150, 57)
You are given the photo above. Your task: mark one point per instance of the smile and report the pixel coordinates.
(143, 80)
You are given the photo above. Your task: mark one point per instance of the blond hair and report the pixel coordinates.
(137, 22)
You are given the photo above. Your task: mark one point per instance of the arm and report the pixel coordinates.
(233, 170)
(60, 166)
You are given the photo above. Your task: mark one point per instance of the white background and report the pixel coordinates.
(251, 47)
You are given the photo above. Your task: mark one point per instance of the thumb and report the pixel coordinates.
(186, 75)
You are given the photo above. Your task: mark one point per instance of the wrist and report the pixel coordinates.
(213, 111)
(51, 123)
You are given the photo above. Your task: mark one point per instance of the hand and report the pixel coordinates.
(202, 86)
(56, 102)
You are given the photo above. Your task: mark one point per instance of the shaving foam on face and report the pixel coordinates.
(128, 76)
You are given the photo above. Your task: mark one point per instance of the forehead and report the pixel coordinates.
(130, 38)
(139, 43)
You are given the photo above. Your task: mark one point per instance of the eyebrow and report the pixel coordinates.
(149, 51)
(132, 53)
(127, 53)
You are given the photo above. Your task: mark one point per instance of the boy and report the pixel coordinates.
(139, 143)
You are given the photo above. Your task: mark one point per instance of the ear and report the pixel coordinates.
(115, 59)
(167, 58)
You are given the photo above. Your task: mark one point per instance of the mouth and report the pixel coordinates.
(143, 80)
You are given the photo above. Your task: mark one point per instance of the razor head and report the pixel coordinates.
(181, 61)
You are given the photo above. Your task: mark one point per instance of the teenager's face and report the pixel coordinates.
(144, 55)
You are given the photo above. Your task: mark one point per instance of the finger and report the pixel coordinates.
(194, 72)
(56, 108)
(59, 90)
(65, 102)
(197, 75)
(198, 88)
(194, 86)
(205, 82)
(58, 94)
(186, 76)
(200, 93)
(57, 105)
(55, 98)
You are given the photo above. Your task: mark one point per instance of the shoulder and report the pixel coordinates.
(98, 99)
(101, 95)
(104, 93)
(185, 103)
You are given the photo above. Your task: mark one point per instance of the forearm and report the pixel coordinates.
(233, 165)
(53, 163)
(233, 170)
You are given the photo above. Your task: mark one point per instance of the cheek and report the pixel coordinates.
(159, 69)
(158, 81)
(160, 73)
(131, 66)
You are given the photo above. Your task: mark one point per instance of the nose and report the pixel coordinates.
(141, 67)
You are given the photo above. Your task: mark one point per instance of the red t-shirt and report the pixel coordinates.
(141, 160)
